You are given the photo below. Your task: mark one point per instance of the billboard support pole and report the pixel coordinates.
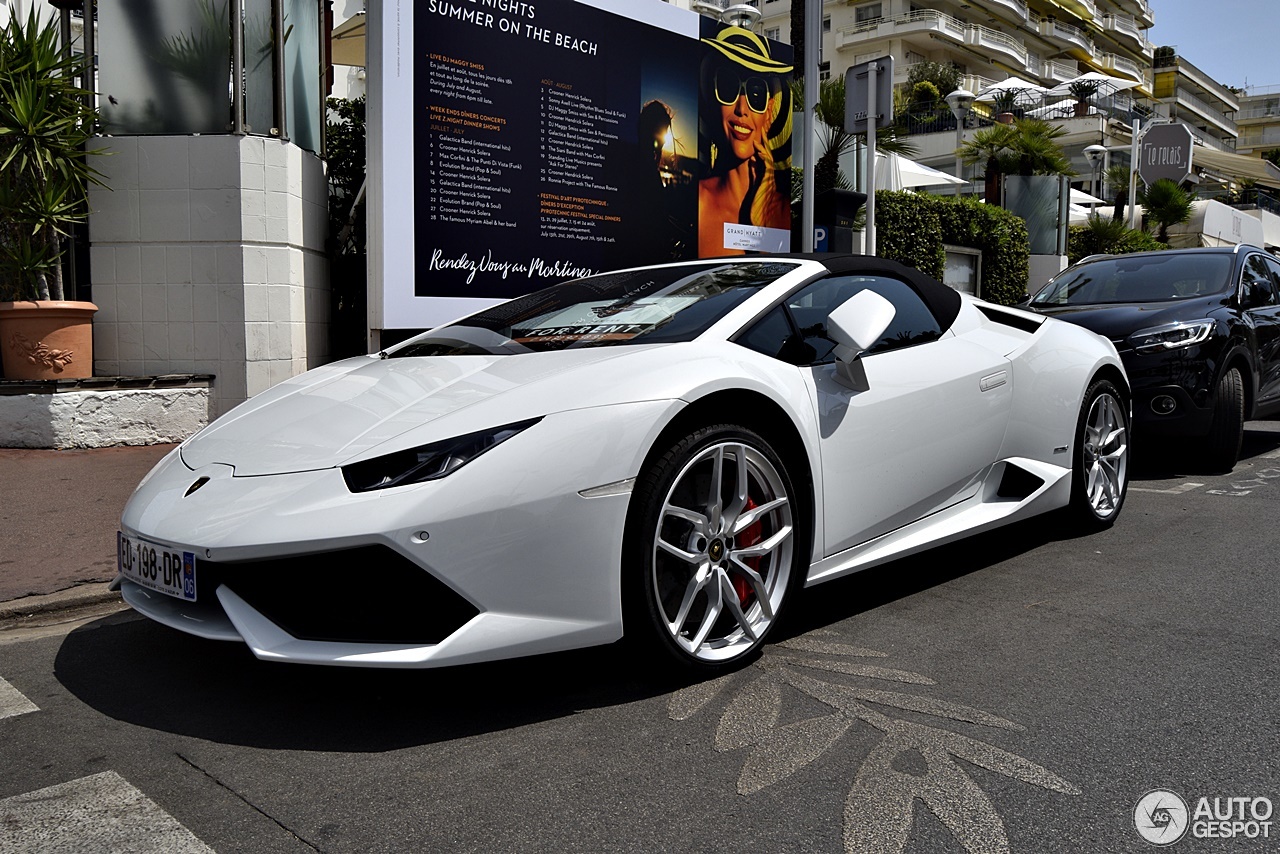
(1133, 173)
(813, 43)
(872, 117)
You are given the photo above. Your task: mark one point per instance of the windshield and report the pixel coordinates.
(1139, 278)
(654, 306)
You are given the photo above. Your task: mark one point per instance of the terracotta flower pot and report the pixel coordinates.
(46, 339)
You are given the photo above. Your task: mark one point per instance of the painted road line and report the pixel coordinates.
(98, 813)
(1176, 490)
(12, 703)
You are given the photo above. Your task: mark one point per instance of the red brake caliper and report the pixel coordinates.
(749, 537)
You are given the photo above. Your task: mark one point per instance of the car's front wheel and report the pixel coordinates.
(1226, 431)
(1100, 470)
(711, 551)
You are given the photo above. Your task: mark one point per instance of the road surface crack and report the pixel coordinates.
(251, 805)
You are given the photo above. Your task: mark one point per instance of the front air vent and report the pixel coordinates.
(364, 595)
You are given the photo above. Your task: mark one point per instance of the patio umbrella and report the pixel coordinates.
(1107, 85)
(1023, 91)
(1080, 197)
(894, 172)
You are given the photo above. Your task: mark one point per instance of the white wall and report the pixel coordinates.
(207, 256)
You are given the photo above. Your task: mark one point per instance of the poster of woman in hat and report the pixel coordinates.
(744, 198)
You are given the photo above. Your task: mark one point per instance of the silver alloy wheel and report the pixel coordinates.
(1106, 455)
(722, 551)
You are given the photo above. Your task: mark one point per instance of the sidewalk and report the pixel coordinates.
(59, 513)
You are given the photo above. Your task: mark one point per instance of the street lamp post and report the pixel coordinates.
(961, 102)
(1096, 154)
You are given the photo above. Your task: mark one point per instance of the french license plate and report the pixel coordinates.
(160, 568)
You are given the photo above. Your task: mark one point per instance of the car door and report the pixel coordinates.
(1267, 328)
(1260, 294)
(915, 437)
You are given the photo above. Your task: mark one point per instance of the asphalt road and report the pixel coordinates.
(1020, 691)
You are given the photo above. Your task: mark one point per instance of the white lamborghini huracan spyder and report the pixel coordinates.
(671, 452)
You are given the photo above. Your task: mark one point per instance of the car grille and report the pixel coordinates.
(370, 594)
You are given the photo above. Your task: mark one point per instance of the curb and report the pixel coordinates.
(81, 596)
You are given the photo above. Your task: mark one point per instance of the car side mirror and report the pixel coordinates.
(855, 326)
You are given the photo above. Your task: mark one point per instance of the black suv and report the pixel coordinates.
(1198, 331)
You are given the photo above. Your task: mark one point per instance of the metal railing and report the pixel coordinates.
(996, 40)
(1068, 33)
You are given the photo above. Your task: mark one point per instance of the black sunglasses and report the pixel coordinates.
(729, 87)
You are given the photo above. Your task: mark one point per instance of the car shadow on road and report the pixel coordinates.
(137, 671)
(1168, 460)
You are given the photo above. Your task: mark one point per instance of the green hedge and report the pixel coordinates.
(908, 230)
(912, 228)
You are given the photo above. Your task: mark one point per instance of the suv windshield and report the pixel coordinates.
(1139, 278)
(653, 306)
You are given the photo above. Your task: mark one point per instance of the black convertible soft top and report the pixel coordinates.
(943, 302)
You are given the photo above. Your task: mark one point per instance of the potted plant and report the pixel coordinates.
(1082, 91)
(1005, 100)
(45, 120)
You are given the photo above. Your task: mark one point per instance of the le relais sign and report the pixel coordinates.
(1166, 153)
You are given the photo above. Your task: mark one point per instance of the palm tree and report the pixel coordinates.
(836, 141)
(1026, 147)
(988, 146)
(1117, 180)
(45, 120)
(1167, 204)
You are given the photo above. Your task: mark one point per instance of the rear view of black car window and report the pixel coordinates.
(1139, 279)
(661, 305)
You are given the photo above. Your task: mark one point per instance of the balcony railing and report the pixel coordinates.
(1122, 65)
(924, 20)
(1124, 25)
(981, 36)
(1065, 33)
(1060, 70)
(1264, 138)
(1206, 111)
(1269, 111)
(1017, 7)
(1087, 8)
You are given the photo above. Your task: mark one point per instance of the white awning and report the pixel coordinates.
(1236, 165)
(348, 40)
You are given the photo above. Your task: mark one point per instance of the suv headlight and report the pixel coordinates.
(1171, 336)
(427, 462)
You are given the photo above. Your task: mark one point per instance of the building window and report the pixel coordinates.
(869, 12)
(824, 71)
(826, 23)
(773, 33)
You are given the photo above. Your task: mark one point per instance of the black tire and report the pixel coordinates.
(1226, 431)
(704, 611)
(1100, 460)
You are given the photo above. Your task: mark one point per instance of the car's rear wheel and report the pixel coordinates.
(1100, 470)
(1226, 430)
(711, 548)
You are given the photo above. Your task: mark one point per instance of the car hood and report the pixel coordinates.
(334, 414)
(1119, 321)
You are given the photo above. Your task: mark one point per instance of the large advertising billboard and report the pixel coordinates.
(520, 144)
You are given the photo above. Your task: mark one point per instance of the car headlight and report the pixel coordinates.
(427, 462)
(1171, 336)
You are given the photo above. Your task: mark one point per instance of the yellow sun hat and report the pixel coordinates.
(747, 49)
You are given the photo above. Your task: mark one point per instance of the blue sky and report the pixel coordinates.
(1231, 40)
